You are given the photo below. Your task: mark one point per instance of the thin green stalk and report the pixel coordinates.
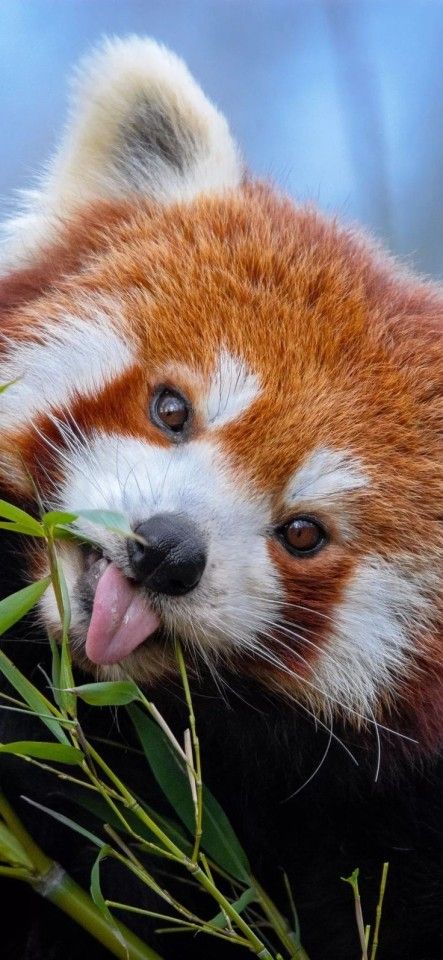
(156, 715)
(140, 871)
(58, 773)
(353, 882)
(198, 799)
(145, 844)
(378, 913)
(207, 868)
(181, 924)
(279, 924)
(191, 919)
(255, 943)
(69, 702)
(193, 928)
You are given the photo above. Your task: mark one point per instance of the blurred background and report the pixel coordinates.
(338, 101)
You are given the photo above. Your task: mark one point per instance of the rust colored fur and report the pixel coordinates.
(360, 349)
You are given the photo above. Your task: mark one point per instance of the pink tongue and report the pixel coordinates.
(121, 619)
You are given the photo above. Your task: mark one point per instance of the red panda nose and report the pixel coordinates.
(173, 557)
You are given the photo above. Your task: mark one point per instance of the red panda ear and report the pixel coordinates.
(139, 123)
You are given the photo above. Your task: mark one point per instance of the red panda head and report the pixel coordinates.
(255, 388)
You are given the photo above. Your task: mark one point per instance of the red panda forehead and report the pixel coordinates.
(280, 287)
(246, 302)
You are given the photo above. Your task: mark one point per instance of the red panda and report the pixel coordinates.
(258, 389)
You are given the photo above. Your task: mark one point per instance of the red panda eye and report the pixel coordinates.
(302, 536)
(170, 411)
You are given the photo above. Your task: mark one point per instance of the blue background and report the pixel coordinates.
(339, 101)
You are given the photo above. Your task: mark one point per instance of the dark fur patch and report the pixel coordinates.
(150, 140)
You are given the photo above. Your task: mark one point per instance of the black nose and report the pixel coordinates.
(174, 556)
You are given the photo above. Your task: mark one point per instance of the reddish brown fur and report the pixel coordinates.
(347, 347)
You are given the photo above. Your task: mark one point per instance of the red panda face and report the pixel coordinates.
(257, 391)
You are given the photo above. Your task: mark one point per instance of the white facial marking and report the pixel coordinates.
(230, 605)
(77, 356)
(232, 390)
(325, 474)
(385, 605)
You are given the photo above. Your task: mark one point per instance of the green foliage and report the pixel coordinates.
(115, 693)
(33, 698)
(203, 846)
(219, 839)
(17, 605)
(58, 752)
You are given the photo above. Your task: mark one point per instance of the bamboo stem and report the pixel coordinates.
(50, 880)
(197, 796)
(378, 912)
(58, 887)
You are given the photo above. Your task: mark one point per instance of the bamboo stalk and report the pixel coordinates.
(62, 890)
(197, 794)
(378, 913)
(50, 880)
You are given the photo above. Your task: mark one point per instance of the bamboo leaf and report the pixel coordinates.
(10, 512)
(32, 696)
(60, 752)
(61, 532)
(219, 839)
(53, 517)
(110, 519)
(248, 896)
(108, 693)
(23, 528)
(17, 605)
(98, 897)
(66, 821)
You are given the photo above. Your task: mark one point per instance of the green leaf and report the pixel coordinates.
(17, 605)
(60, 532)
(108, 693)
(53, 517)
(20, 528)
(31, 695)
(219, 839)
(67, 822)
(248, 896)
(10, 512)
(110, 519)
(98, 897)
(60, 752)
(11, 851)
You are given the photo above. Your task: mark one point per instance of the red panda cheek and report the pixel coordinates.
(313, 588)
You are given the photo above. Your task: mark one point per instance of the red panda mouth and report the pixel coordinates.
(122, 617)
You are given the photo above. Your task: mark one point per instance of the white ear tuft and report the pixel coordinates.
(139, 123)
